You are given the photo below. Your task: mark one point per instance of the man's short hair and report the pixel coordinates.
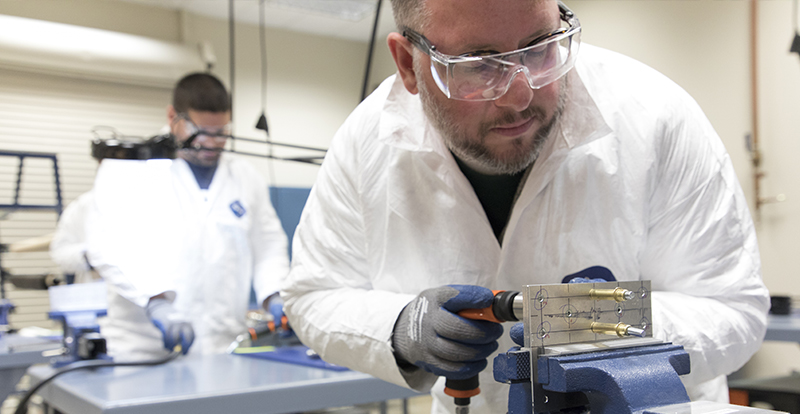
(200, 92)
(409, 14)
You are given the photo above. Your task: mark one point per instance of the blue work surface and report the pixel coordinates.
(212, 384)
(294, 355)
(17, 353)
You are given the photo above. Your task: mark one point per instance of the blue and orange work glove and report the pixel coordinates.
(430, 335)
(276, 309)
(279, 319)
(594, 274)
(174, 329)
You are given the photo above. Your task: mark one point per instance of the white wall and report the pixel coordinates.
(779, 113)
(313, 84)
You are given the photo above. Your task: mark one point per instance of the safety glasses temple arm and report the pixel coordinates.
(187, 144)
(567, 14)
(417, 40)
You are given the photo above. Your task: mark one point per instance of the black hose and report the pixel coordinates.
(22, 408)
(371, 49)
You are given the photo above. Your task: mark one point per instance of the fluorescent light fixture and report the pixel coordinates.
(57, 48)
(353, 10)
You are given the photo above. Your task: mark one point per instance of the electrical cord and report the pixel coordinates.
(263, 42)
(794, 15)
(371, 49)
(262, 121)
(22, 408)
(232, 47)
(262, 38)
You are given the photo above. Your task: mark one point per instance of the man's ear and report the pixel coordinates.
(171, 115)
(403, 54)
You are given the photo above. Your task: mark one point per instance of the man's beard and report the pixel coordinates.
(473, 150)
(192, 156)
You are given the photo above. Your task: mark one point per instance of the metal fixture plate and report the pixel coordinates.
(562, 314)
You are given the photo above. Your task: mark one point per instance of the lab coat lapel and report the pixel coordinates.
(196, 201)
(218, 185)
(581, 123)
(431, 202)
(186, 186)
(404, 125)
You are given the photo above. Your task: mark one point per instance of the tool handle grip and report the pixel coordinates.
(462, 388)
(485, 314)
(260, 330)
(272, 326)
(506, 306)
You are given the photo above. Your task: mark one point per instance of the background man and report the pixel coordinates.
(186, 278)
(517, 169)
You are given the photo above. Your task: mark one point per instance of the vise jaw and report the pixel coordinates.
(576, 355)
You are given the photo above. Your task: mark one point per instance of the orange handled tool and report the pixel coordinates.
(501, 310)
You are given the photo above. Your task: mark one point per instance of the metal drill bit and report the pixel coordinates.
(635, 331)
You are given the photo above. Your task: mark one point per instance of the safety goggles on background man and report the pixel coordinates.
(192, 131)
(488, 77)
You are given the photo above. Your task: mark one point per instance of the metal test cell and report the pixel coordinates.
(559, 319)
(563, 314)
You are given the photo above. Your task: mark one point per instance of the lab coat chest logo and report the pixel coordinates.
(238, 209)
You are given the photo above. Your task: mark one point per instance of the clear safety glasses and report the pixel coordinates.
(488, 77)
(193, 131)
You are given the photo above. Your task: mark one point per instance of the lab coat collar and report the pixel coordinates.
(204, 198)
(581, 123)
(404, 125)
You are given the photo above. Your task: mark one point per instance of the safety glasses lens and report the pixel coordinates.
(191, 129)
(487, 78)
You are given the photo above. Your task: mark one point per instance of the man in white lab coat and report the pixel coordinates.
(181, 242)
(499, 156)
(68, 247)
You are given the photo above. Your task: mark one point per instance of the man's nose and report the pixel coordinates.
(519, 94)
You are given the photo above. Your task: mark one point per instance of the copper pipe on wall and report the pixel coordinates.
(754, 151)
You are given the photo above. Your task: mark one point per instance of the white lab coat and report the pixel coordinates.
(68, 246)
(157, 231)
(635, 180)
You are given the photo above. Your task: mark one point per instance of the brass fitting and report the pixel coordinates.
(618, 294)
(618, 329)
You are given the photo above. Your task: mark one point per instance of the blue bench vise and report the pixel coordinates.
(615, 381)
(588, 347)
(6, 307)
(82, 340)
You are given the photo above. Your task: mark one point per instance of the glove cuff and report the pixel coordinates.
(400, 339)
(158, 307)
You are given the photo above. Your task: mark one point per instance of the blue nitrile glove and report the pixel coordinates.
(278, 317)
(174, 329)
(431, 336)
(276, 309)
(517, 334)
(594, 274)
